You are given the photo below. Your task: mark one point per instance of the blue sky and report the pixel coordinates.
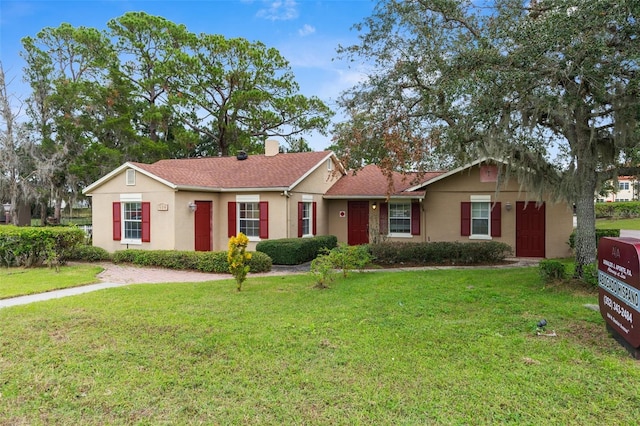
(306, 32)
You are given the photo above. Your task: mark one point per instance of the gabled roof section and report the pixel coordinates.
(444, 175)
(221, 174)
(135, 166)
(371, 182)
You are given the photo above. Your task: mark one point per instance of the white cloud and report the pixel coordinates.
(279, 10)
(306, 30)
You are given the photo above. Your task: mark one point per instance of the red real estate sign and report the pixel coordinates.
(619, 286)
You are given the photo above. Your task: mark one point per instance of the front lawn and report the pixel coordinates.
(427, 347)
(633, 224)
(23, 281)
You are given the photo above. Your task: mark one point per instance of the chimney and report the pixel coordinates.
(271, 148)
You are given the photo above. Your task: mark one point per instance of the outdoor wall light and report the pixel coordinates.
(375, 205)
(192, 206)
(508, 206)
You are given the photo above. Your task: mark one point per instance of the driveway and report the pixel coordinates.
(629, 233)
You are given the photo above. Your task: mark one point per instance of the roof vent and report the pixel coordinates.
(242, 155)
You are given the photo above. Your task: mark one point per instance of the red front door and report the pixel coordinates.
(530, 229)
(358, 222)
(202, 220)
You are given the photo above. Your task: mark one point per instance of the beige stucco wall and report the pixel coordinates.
(162, 237)
(315, 185)
(337, 219)
(441, 213)
(174, 229)
(338, 222)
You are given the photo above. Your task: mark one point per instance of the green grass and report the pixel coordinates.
(23, 281)
(430, 347)
(618, 224)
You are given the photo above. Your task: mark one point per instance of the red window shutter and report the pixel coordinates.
(415, 218)
(300, 209)
(117, 222)
(496, 219)
(231, 218)
(264, 219)
(315, 222)
(465, 218)
(146, 222)
(384, 218)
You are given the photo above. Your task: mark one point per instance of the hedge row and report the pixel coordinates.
(205, 261)
(34, 246)
(618, 210)
(390, 253)
(294, 251)
(88, 253)
(599, 234)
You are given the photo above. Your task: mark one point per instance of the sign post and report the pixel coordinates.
(619, 289)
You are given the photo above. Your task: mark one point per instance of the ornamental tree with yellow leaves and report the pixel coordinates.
(238, 258)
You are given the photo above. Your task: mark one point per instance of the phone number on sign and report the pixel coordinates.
(615, 306)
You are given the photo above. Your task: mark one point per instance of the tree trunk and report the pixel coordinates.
(57, 210)
(14, 208)
(585, 241)
(43, 213)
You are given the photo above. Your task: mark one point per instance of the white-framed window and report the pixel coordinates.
(132, 221)
(329, 164)
(623, 186)
(480, 220)
(307, 212)
(131, 218)
(306, 216)
(249, 219)
(248, 215)
(481, 216)
(400, 218)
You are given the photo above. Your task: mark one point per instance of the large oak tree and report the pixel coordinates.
(551, 87)
(238, 93)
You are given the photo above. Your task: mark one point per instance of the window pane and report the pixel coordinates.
(480, 218)
(480, 227)
(306, 218)
(400, 218)
(249, 219)
(400, 226)
(132, 221)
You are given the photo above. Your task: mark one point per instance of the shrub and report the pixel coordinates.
(204, 261)
(89, 253)
(590, 274)
(343, 257)
(259, 262)
(551, 270)
(294, 251)
(440, 252)
(238, 258)
(33, 246)
(212, 261)
(599, 234)
(348, 257)
(618, 210)
(322, 270)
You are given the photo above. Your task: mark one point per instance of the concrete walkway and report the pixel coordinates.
(117, 275)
